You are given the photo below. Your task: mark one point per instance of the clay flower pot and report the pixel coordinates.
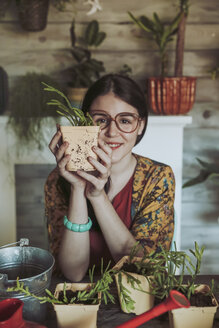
(143, 300)
(171, 95)
(76, 315)
(81, 139)
(194, 317)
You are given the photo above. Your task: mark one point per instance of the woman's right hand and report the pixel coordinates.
(58, 149)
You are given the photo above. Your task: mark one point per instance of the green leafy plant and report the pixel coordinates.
(160, 270)
(208, 171)
(28, 110)
(91, 294)
(74, 115)
(160, 32)
(85, 69)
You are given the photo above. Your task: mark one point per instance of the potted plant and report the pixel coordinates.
(132, 286)
(28, 111)
(76, 304)
(134, 276)
(85, 69)
(81, 135)
(203, 302)
(33, 13)
(169, 95)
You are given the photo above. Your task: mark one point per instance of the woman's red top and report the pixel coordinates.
(122, 204)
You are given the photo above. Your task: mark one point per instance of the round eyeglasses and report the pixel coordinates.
(125, 122)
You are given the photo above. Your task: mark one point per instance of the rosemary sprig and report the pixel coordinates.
(74, 115)
(91, 294)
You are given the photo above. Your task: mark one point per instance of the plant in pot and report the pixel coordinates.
(29, 113)
(203, 302)
(85, 69)
(169, 95)
(76, 304)
(82, 135)
(134, 279)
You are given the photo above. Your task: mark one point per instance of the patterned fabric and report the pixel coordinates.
(152, 209)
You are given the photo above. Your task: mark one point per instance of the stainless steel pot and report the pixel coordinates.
(33, 266)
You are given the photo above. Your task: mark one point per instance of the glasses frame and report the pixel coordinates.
(114, 119)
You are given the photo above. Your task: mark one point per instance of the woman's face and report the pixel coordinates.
(120, 142)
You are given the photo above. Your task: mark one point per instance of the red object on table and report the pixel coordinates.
(175, 300)
(11, 315)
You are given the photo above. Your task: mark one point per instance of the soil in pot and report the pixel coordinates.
(70, 294)
(200, 299)
(131, 267)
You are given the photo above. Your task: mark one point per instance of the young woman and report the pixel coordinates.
(129, 198)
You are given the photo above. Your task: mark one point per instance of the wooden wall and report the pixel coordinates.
(48, 51)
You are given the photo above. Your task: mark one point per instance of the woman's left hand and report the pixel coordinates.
(98, 179)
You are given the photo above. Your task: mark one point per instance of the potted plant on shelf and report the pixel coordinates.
(76, 304)
(85, 69)
(169, 95)
(82, 135)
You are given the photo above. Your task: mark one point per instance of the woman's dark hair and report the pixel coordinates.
(124, 88)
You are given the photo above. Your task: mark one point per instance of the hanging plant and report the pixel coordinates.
(28, 111)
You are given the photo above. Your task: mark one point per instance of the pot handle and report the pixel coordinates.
(22, 242)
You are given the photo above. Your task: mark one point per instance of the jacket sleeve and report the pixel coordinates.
(153, 223)
(55, 209)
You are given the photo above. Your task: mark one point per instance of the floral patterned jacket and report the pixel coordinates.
(152, 208)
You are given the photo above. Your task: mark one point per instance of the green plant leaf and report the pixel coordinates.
(203, 175)
(145, 26)
(99, 38)
(213, 168)
(91, 32)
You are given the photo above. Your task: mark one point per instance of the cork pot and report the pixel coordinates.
(81, 139)
(171, 95)
(144, 301)
(194, 317)
(76, 315)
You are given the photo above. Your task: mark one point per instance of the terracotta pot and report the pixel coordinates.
(171, 95)
(76, 95)
(76, 315)
(194, 317)
(81, 139)
(11, 315)
(143, 300)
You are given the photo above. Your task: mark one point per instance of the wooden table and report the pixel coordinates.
(109, 316)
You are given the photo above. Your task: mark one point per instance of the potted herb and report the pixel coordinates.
(82, 135)
(85, 69)
(133, 275)
(76, 304)
(203, 302)
(169, 95)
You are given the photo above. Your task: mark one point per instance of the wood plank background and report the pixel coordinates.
(48, 51)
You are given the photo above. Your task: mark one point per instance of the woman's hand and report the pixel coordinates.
(98, 179)
(58, 149)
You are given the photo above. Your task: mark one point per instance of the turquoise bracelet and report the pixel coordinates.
(77, 227)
